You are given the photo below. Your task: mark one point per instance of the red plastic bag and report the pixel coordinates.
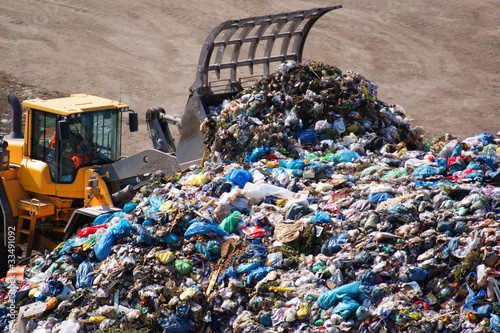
(90, 230)
(254, 231)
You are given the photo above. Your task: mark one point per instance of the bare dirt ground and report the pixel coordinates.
(438, 59)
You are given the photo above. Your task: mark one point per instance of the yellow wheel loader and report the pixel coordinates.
(66, 168)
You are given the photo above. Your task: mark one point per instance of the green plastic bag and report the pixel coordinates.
(231, 222)
(396, 173)
(210, 249)
(183, 266)
(372, 169)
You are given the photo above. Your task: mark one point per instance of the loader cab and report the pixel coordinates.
(71, 133)
(67, 143)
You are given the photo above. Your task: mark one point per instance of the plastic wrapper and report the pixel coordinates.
(253, 232)
(69, 326)
(260, 191)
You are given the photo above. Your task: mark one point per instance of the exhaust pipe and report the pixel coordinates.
(17, 117)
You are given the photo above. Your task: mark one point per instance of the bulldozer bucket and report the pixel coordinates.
(234, 56)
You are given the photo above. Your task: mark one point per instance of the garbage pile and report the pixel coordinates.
(366, 229)
(305, 105)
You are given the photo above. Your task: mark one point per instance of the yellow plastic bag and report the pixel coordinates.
(166, 206)
(304, 310)
(165, 256)
(198, 180)
(52, 303)
(96, 319)
(31, 293)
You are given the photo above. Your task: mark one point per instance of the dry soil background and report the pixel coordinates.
(438, 59)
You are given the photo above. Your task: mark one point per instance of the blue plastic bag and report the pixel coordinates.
(210, 249)
(477, 175)
(229, 272)
(248, 267)
(175, 324)
(474, 166)
(318, 166)
(330, 298)
(334, 244)
(444, 226)
(460, 228)
(488, 160)
(130, 206)
(427, 171)
(122, 229)
(418, 274)
(255, 251)
(240, 177)
(294, 172)
(148, 222)
(258, 274)
(256, 154)
(170, 238)
(346, 307)
(472, 298)
(294, 164)
(321, 217)
(457, 151)
(307, 136)
(103, 245)
(4, 319)
(55, 287)
(377, 198)
(495, 322)
(103, 218)
(155, 201)
(451, 246)
(143, 234)
(78, 258)
(84, 275)
(203, 228)
(485, 138)
(483, 310)
(344, 155)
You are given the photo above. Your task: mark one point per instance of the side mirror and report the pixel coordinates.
(63, 129)
(133, 121)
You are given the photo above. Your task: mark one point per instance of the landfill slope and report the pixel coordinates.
(318, 208)
(439, 60)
